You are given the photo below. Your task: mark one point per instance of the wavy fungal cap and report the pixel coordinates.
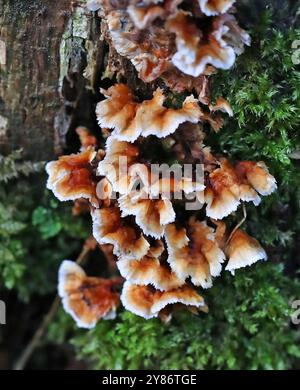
(151, 215)
(71, 177)
(110, 228)
(147, 302)
(131, 120)
(215, 7)
(86, 299)
(243, 251)
(193, 56)
(163, 252)
(196, 254)
(230, 185)
(150, 270)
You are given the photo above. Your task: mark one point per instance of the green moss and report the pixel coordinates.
(247, 328)
(264, 91)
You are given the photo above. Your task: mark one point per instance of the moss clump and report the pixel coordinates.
(247, 328)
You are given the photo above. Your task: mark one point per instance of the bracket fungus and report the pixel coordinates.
(87, 299)
(152, 215)
(197, 49)
(147, 302)
(71, 177)
(152, 269)
(215, 7)
(194, 253)
(120, 156)
(229, 185)
(144, 16)
(127, 239)
(243, 250)
(165, 253)
(131, 120)
(148, 50)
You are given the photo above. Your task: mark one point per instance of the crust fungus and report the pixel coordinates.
(192, 56)
(118, 112)
(194, 252)
(86, 138)
(227, 31)
(229, 185)
(72, 177)
(126, 237)
(151, 269)
(196, 50)
(87, 299)
(152, 215)
(131, 120)
(243, 250)
(149, 50)
(167, 186)
(120, 156)
(152, 205)
(143, 13)
(147, 302)
(144, 16)
(215, 7)
(161, 121)
(258, 176)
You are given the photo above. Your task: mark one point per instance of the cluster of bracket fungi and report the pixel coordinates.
(164, 253)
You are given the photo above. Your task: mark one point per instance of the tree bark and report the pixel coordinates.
(46, 45)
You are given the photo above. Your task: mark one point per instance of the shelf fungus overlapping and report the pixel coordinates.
(159, 35)
(148, 302)
(194, 252)
(229, 185)
(157, 194)
(131, 120)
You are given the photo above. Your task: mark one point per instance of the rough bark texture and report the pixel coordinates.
(51, 75)
(46, 45)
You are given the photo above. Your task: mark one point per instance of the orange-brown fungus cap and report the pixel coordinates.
(120, 156)
(229, 185)
(149, 49)
(194, 253)
(194, 54)
(86, 299)
(144, 16)
(131, 120)
(152, 215)
(258, 176)
(86, 138)
(215, 7)
(71, 177)
(150, 270)
(110, 228)
(147, 302)
(243, 250)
